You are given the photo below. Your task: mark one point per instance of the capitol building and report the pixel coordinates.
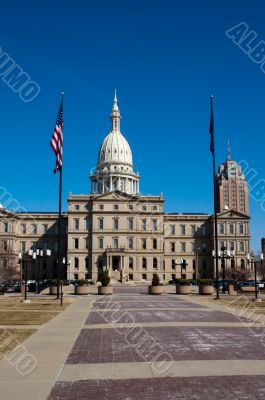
(129, 234)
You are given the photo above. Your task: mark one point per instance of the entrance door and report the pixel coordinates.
(116, 263)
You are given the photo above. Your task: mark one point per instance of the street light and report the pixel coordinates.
(226, 255)
(183, 264)
(40, 254)
(24, 262)
(253, 262)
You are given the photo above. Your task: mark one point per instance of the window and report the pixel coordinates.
(144, 263)
(144, 224)
(154, 263)
(130, 223)
(77, 207)
(76, 243)
(87, 263)
(45, 228)
(203, 229)
(241, 228)
(241, 246)
(154, 208)
(100, 223)
(76, 276)
(183, 247)
(232, 246)
(5, 246)
(115, 207)
(231, 228)
(115, 223)
(130, 243)
(193, 229)
(23, 246)
(154, 244)
(154, 224)
(130, 262)
(183, 229)
(144, 244)
(144, 277)
(172, 246)
(76, 262)
(130, 207)
(221, 229)
(173, 264)
(100, 243)
(23, 229)
(115, 243)
(5, 227)
(144, 208)
(76, 224)
(173, 276)
(172, 229)
(101, 207)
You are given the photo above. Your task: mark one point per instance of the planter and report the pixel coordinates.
(80, 290)
(105, 290)
(53, 290)
(155, 290)
(183, 289)
(231, 290)
(206, 289)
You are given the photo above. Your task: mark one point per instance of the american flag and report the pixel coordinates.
(57, 139)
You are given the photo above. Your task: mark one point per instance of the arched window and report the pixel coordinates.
(154, 263)
(144, 264)
(76, 262)
(131, 262)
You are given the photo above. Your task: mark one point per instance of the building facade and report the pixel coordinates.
(115, 228)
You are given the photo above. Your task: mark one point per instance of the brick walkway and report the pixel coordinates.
(116, 356)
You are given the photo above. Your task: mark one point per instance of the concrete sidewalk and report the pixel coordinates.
(50, 346)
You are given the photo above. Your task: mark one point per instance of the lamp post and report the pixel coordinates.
(183, 264)
(24, 262)
(254, 263)
(197, 249)
(226, 255)
(40, 254)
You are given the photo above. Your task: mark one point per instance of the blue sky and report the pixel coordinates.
(165, 58)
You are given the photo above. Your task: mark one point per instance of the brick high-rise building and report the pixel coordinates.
(232, 187)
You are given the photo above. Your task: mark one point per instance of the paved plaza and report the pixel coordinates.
(131, 346)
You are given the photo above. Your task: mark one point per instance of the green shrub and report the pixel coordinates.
(206, 281)
(82, 282)
(104, 279)
(182, 281)
(155, 280)
(90, 282)
(53, 282)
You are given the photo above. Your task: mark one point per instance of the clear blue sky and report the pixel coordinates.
(165, 58)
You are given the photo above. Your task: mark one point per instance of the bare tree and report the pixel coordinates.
(8, 267)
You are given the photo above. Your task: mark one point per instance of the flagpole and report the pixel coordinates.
(215, 202)
(59, 269)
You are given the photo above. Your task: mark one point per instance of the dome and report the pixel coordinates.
(115, 149)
